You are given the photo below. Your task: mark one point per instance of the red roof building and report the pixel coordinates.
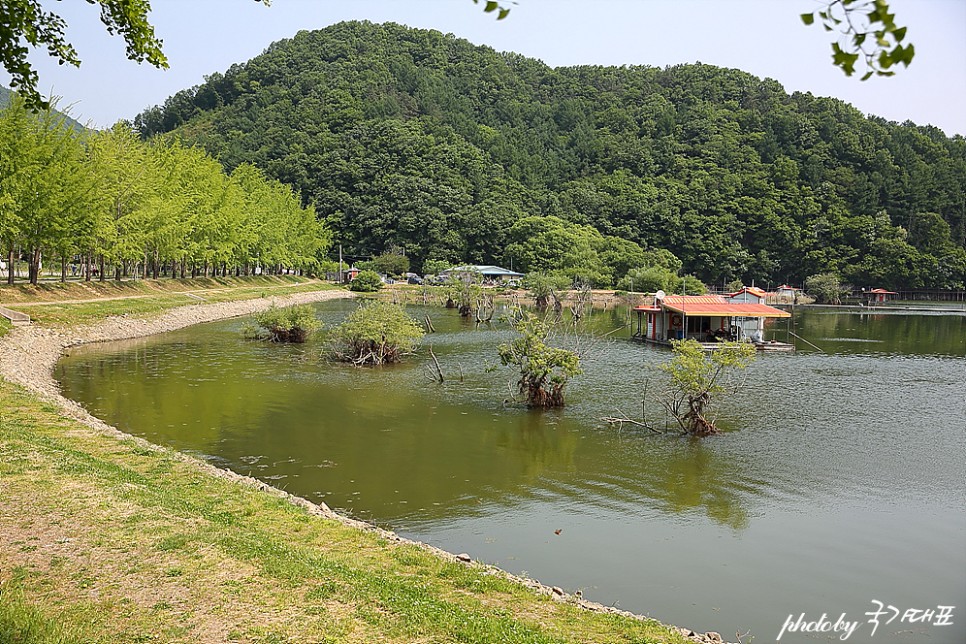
(709, 319)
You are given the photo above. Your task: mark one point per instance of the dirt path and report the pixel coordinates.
(190, 293)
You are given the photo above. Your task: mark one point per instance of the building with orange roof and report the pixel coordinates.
(709, 319)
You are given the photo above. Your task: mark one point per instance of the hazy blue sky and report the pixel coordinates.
(763, 37)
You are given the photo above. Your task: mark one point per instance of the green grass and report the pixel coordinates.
(140, 304)
(111, 540)
(5, 326)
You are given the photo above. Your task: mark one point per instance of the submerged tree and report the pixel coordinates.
(544, 369)
(293, 324)
(697, 376)
(374, 334)
(464, 292)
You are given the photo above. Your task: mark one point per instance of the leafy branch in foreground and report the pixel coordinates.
(489, 6)
(870, 32)
(374, 334)
(544, 369)
(696, 376)
(293, 324)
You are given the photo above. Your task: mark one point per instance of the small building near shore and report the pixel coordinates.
(492, 274)
(878, 296)
(709, 319)
(750, 294)
(785, 291)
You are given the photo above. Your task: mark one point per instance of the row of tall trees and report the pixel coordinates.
(413, 139)
(118, 204)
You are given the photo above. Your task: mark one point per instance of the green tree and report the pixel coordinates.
(544, 286)
(366, 282)
(869, 31)
(544, 369)
(391, 263)
(435, 266)
(375, 333)
(292, 324)
(825, 288)
(697, 376)
(25, 23)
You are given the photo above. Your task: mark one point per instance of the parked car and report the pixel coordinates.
(415, 279)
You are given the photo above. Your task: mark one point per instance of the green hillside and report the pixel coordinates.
(73, 124)
(412, 139)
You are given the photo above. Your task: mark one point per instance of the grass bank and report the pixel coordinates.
(56, 304)
(110, 539)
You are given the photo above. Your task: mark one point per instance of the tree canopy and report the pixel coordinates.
(414, 140)
(124, 203)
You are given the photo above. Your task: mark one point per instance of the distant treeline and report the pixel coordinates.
(420, 141)
(113, 204)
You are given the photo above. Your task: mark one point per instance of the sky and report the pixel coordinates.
(763, 37)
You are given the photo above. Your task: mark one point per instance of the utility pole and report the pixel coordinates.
(340, 263)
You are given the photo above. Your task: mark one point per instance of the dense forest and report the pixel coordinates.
(107, 202)
(414, 140)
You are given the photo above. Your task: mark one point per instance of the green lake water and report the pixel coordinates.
(841, 478)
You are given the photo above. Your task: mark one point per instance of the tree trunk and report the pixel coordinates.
(34, 268)
(10, 268)
(63, 269)
(194, 270)
(102, 277)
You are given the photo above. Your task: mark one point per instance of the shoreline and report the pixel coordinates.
(29, 354)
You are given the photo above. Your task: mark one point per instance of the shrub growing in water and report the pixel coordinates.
(374, 334)
(544, 370)
(696, 377)
(293, 324)
(366, 282)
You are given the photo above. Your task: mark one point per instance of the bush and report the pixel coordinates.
(366, 282)
(826, 288)
(293, 324)
(375, 333)
(544, 369)
(543, 286)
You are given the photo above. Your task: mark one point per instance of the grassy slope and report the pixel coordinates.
(79, 302)
(106, 540)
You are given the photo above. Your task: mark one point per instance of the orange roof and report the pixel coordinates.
(882, 291)
(704, 305)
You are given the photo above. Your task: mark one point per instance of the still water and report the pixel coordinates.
(841, 477)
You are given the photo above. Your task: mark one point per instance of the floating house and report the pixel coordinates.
(709, 319)
(878, 296)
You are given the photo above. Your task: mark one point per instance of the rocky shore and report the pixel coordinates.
(29, 354)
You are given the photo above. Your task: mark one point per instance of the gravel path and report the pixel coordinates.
(29, 354)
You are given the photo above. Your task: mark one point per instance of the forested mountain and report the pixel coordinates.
(6, 96)
(412, 139)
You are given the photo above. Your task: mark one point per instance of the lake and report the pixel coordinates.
(840, 478)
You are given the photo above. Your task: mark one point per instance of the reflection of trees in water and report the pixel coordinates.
(377, 445)
(701, 479)
(926, 334)
(670, 474)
